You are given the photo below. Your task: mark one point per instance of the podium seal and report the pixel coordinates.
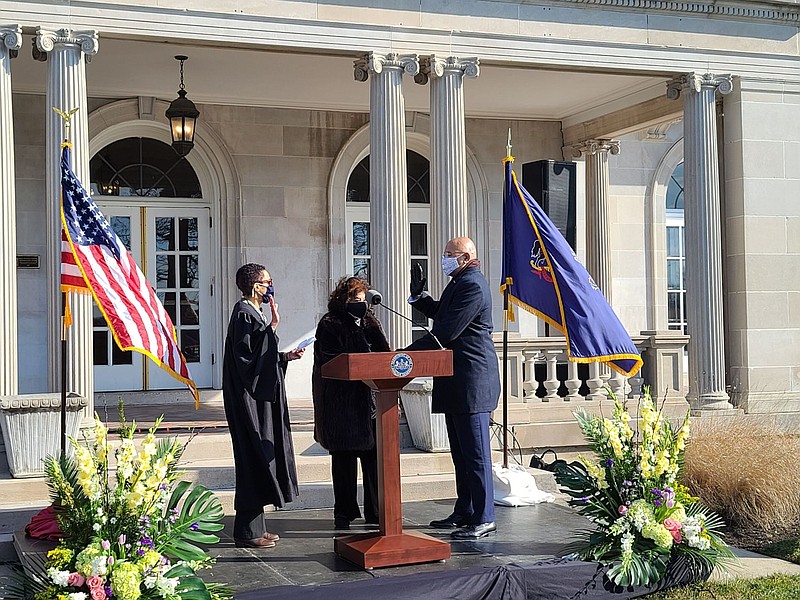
(402, 364)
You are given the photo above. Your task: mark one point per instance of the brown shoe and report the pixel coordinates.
(254, 543)
(272, 537)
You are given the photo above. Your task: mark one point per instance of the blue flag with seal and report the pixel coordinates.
(543, 275)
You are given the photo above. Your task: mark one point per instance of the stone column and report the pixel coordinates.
(10, 42)
(703, 237)
(598, 226)
(67, 52)
(390, 262)
(449, 210)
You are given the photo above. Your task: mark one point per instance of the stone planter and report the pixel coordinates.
(31, 425)
(428, 430)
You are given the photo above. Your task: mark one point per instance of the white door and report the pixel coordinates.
(115, 370)
(178, 266)
(175, 244)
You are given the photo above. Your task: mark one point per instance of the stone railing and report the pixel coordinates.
(539, 371)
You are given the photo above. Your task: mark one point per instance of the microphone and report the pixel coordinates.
(374, 298)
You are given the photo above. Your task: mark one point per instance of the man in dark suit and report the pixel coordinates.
(462, 322)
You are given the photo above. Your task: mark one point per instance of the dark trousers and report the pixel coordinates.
(344, 472)
(472, 458)
(249, 524)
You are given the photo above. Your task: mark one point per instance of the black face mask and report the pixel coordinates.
(358, 309)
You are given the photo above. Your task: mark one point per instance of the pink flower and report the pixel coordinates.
(623, 510)
(674, 528)
(98, 593)
(105, 544)
(75, 580)
(110, 560)
(121, 539)
(94, 582)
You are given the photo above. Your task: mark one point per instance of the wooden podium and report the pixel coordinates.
(388, 373)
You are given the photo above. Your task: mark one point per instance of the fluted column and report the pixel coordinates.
(703, 237)
(10, 42)
(598, 225)
(449, 209)
(67, 52)
(388, 190)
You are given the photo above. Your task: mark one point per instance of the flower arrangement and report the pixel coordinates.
(644, 517)
(131, 533)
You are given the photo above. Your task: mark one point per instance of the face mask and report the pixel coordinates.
(269, 291)
(357, 309)
(449, 264)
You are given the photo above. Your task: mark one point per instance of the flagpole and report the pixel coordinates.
(63, 375)
(505, 349)
(67, 117)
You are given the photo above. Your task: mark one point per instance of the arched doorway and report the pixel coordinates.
(154, 201)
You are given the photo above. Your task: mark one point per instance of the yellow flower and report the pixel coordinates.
(596, 472)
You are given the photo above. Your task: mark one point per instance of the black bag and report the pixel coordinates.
(538, 461)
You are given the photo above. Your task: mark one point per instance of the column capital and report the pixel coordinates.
(695, 82)
(376, 62)
(434, 66)
(46, 39)
(11, 36)
(592, 147)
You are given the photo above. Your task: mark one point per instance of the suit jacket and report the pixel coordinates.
(462, 322)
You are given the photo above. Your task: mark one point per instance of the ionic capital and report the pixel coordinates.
(437, 66)
(376, 62)
(47, 39)
(11, 36)
(695, 82)
(592, 147)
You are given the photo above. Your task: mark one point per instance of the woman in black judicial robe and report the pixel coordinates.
(344, 411)
(256, 409)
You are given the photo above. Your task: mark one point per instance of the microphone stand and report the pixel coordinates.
(391, 310)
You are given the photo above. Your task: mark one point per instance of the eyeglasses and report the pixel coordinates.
(451, 254)
(267, 282)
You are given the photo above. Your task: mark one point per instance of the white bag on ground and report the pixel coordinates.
(514, 486)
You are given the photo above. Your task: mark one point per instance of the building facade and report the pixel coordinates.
(357, 137)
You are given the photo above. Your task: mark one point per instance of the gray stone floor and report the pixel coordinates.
(304, 555)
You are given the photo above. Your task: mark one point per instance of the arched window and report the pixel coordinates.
(419, 215)
(142, 167)
(676, 253)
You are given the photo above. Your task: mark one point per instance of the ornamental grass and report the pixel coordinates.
(747, 470)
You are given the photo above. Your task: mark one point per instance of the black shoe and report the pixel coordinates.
(450, 522)
(473, 532)
(341, 522)
(372, 521)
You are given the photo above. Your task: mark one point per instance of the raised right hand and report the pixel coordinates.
(276, 317)
(417, 280)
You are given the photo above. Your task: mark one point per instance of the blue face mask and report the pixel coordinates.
(449, 264)
(269, 291)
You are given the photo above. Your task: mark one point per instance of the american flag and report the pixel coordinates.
(95, 254)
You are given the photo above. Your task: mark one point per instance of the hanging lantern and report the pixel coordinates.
(182, 115)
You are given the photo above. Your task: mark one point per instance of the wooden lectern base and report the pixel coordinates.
(371, 550)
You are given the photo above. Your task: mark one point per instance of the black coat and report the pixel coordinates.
(343, 410)
(258, 416)
(462, 322)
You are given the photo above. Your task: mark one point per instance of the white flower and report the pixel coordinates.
(100, 565)
(60, 578)
(76, 596)
(96, 526)
(627, 544)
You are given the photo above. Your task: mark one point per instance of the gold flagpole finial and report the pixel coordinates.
(508, 145)
(67, 118)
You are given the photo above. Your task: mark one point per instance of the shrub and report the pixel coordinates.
(746, 470)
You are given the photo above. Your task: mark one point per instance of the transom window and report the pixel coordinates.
(142, 167)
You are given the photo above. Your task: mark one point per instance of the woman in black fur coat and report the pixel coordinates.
(344, 411)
